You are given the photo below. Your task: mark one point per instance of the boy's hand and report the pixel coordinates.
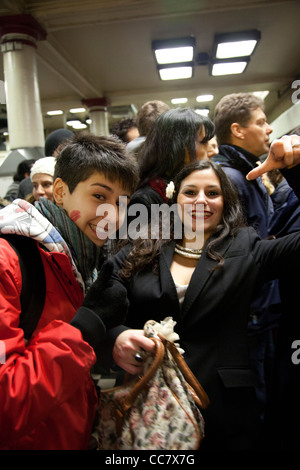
(107, 299)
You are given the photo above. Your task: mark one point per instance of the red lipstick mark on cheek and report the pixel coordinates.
(75, 215)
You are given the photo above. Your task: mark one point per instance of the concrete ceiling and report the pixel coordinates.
(102, 48)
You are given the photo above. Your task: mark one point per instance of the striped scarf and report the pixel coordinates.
(84, 252)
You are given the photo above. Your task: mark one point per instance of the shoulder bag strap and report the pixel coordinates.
(33, 291)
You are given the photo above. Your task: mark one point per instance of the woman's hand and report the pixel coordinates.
(127, 344)
(284, 152)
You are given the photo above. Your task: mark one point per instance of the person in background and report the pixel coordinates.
(23, 171)
(285, 377)
(176, 138)
(52, 143)
(212, 147)
(41, 175)
(55, 139)
(146, 116)
(47, 397)
(243, 135)
(281, 188)
(126, 129)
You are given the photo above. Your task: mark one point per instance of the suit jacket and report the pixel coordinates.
(212, 324)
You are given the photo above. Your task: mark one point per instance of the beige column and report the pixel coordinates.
(19, 35)
(98, 114)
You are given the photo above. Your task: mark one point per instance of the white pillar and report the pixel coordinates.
(98, 115)
(19, 35)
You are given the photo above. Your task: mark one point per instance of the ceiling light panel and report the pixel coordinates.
(174, 55)
(228, 68)
(228, 50)
(176, 73)
(236, 44)
(174, 51)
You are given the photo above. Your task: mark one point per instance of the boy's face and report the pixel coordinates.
(94, 205)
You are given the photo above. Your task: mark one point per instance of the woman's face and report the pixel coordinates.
(42, 186)
(201, 201)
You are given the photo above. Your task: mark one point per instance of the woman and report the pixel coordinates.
(208, 294)
(176, 138)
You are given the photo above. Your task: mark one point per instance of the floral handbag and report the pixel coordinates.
(159, 410)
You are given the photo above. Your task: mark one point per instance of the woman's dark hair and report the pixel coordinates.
(171, 136)
(85, 154)
(145, 251)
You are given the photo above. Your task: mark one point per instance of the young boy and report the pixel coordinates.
(47, 397)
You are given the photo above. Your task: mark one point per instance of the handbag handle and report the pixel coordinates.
(127, 402)
(196, 389)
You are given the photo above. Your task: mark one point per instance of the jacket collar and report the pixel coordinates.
(200, 277)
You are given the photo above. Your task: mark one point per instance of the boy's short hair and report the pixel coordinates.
(236, 107)
(84, 154)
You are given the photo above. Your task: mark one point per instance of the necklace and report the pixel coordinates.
(188, 252)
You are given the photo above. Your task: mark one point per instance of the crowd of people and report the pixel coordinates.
(228, 277)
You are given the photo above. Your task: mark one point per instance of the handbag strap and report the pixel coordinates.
(127, 402)
(196, 389)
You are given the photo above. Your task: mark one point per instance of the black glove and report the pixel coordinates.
(104, 306)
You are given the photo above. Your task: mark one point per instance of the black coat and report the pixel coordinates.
(212, 324)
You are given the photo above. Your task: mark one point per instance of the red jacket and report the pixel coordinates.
(47, 396)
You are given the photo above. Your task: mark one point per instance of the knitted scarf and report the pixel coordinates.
(54, 230)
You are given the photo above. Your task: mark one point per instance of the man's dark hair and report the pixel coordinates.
(85, 154)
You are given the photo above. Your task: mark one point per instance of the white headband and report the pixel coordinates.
(44, 165)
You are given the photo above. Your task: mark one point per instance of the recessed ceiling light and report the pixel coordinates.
(202, 98)
(202, 112)
(55, 112)
(178, 100)
(77, 110)
(80, 125)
